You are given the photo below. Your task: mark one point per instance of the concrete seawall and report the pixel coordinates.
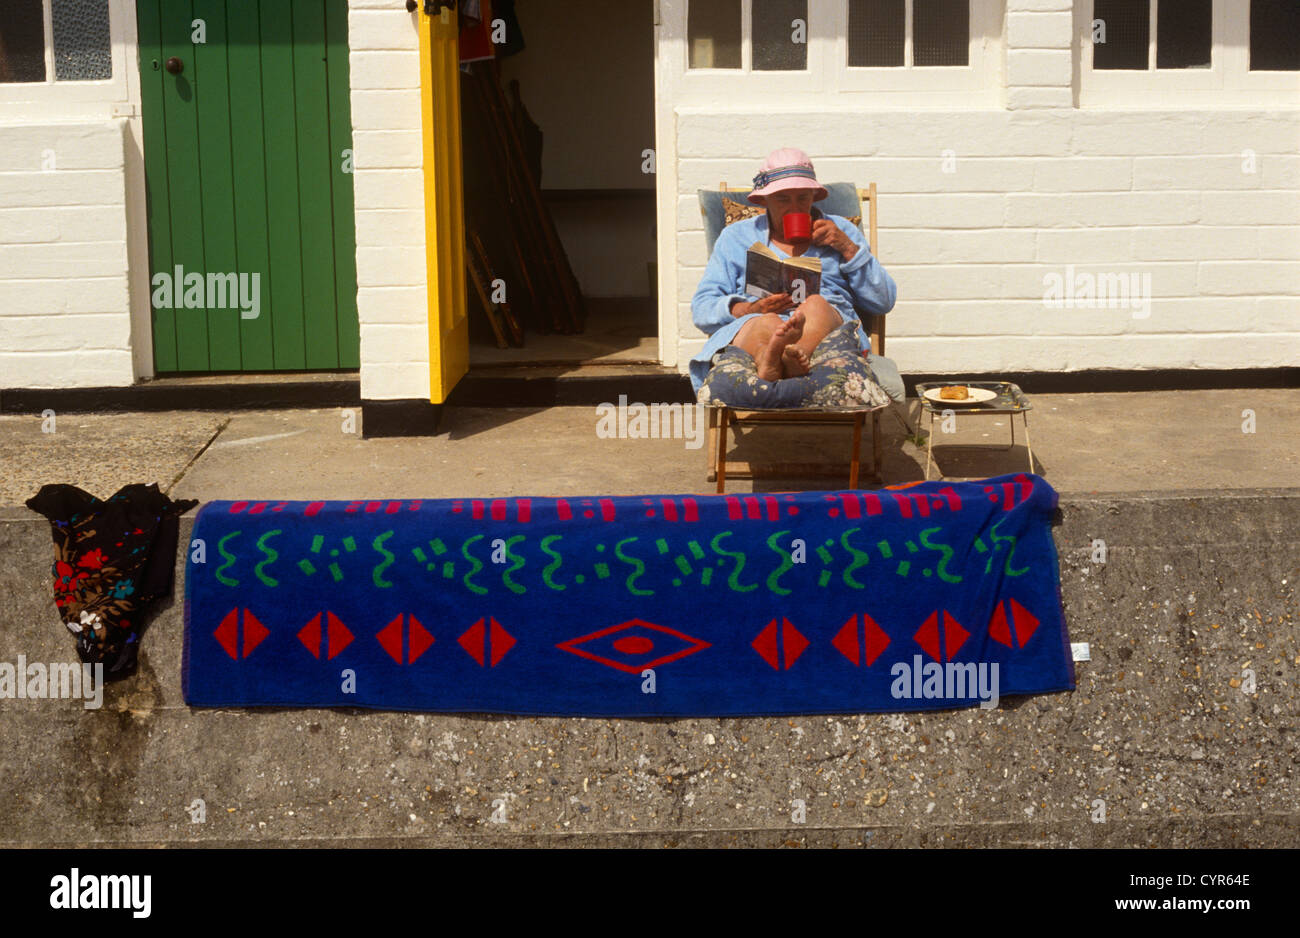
(1160, 745)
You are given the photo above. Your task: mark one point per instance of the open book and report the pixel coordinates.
(767, 274)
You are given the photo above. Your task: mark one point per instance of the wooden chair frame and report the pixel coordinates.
(721, 416)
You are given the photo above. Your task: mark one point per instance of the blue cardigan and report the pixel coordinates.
(861, 280)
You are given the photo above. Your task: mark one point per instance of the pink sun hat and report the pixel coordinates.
(786, 168)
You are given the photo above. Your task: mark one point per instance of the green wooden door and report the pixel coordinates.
(248, 164)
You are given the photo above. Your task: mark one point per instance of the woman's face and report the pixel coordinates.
(788, 200)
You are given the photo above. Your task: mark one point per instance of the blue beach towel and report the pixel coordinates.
(926, 596)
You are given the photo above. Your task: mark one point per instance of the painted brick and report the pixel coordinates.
(88, 368)
(369, 70)
(1038, 67)
(390, 266)
(1120, 209)
(386, 110)
(1245, 208)
(389, 189)
(385, 381)
(1023, 97)
(390, 227)
(396, 343)
(387, 149)
(1039, 30)
(397, 305)
(1238, 278)
(38, 297)
(99, 259)
(1196, 241)
(381, 28)
(1088, 174)
(1192, 172)
(53, 333)
(1085, 245)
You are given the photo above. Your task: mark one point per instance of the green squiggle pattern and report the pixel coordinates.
(230, 561)
(786, 564)
(516, 588)
(554, 564)
(860, 559)
(640, 568)
(271, 557)
(376, 575)
(733, 580)
(948, 552)
(478, 565)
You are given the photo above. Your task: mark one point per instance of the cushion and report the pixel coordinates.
(840, 378)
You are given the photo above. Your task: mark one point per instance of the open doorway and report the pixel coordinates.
(580, 89)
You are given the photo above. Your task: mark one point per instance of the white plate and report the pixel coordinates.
(977, 395)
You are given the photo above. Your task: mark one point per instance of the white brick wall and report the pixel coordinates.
(65, 318)
(392, 301)
(1040, 184)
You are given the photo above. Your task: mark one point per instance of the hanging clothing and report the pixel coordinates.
(112, 559)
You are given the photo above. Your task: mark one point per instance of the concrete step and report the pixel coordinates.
(1198, 588)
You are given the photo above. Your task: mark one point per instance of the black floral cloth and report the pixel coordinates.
(112, 559)
(839, 378)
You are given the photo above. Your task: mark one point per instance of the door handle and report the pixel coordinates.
(174, 65)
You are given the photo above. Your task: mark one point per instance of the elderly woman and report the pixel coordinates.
(779, 335)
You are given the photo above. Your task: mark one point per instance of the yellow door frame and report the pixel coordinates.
(444, 201)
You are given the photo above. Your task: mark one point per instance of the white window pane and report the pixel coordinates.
(876, 30)
(81, 45)
(779, 43)
(713, 33)
(22, 41)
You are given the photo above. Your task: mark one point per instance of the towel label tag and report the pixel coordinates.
(1080, 651)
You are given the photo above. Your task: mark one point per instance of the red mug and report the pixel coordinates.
(798, 227)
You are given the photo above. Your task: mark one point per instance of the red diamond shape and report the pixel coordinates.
(1026, 623)
(337, 635)
(849, 641)
(954, 636)
(227, 633)
(792, 640)
(476, 639)
(639, 648)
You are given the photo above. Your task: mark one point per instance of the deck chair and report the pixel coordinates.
(851, 202)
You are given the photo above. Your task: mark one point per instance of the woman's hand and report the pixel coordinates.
(776, 303)
(826, 232)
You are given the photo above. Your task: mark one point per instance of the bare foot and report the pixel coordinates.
(795, 324)
(772, 355)
(796, 362)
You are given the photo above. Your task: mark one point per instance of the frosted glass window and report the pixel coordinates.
(1274, 35)
(1183, 34)
(940, 32)
(82, 51)
(22, 41)
(775, 45)
(876, 33)
(713, 33)
(1127, 33)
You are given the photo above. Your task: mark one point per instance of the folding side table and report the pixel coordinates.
(1009, 400)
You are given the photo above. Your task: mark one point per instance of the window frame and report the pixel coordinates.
(976, 84)
(63, 99)
(1228, 80)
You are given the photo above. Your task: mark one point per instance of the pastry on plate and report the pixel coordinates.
(954, 393)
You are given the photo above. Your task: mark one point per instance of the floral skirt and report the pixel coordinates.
(839, 377)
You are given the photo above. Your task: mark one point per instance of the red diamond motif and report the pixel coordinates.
(664, 643)
(1026, 623)
(793, 644)
(227, 633)
(849, 641)
(954, 636)
(336, 634)
(477, 638)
